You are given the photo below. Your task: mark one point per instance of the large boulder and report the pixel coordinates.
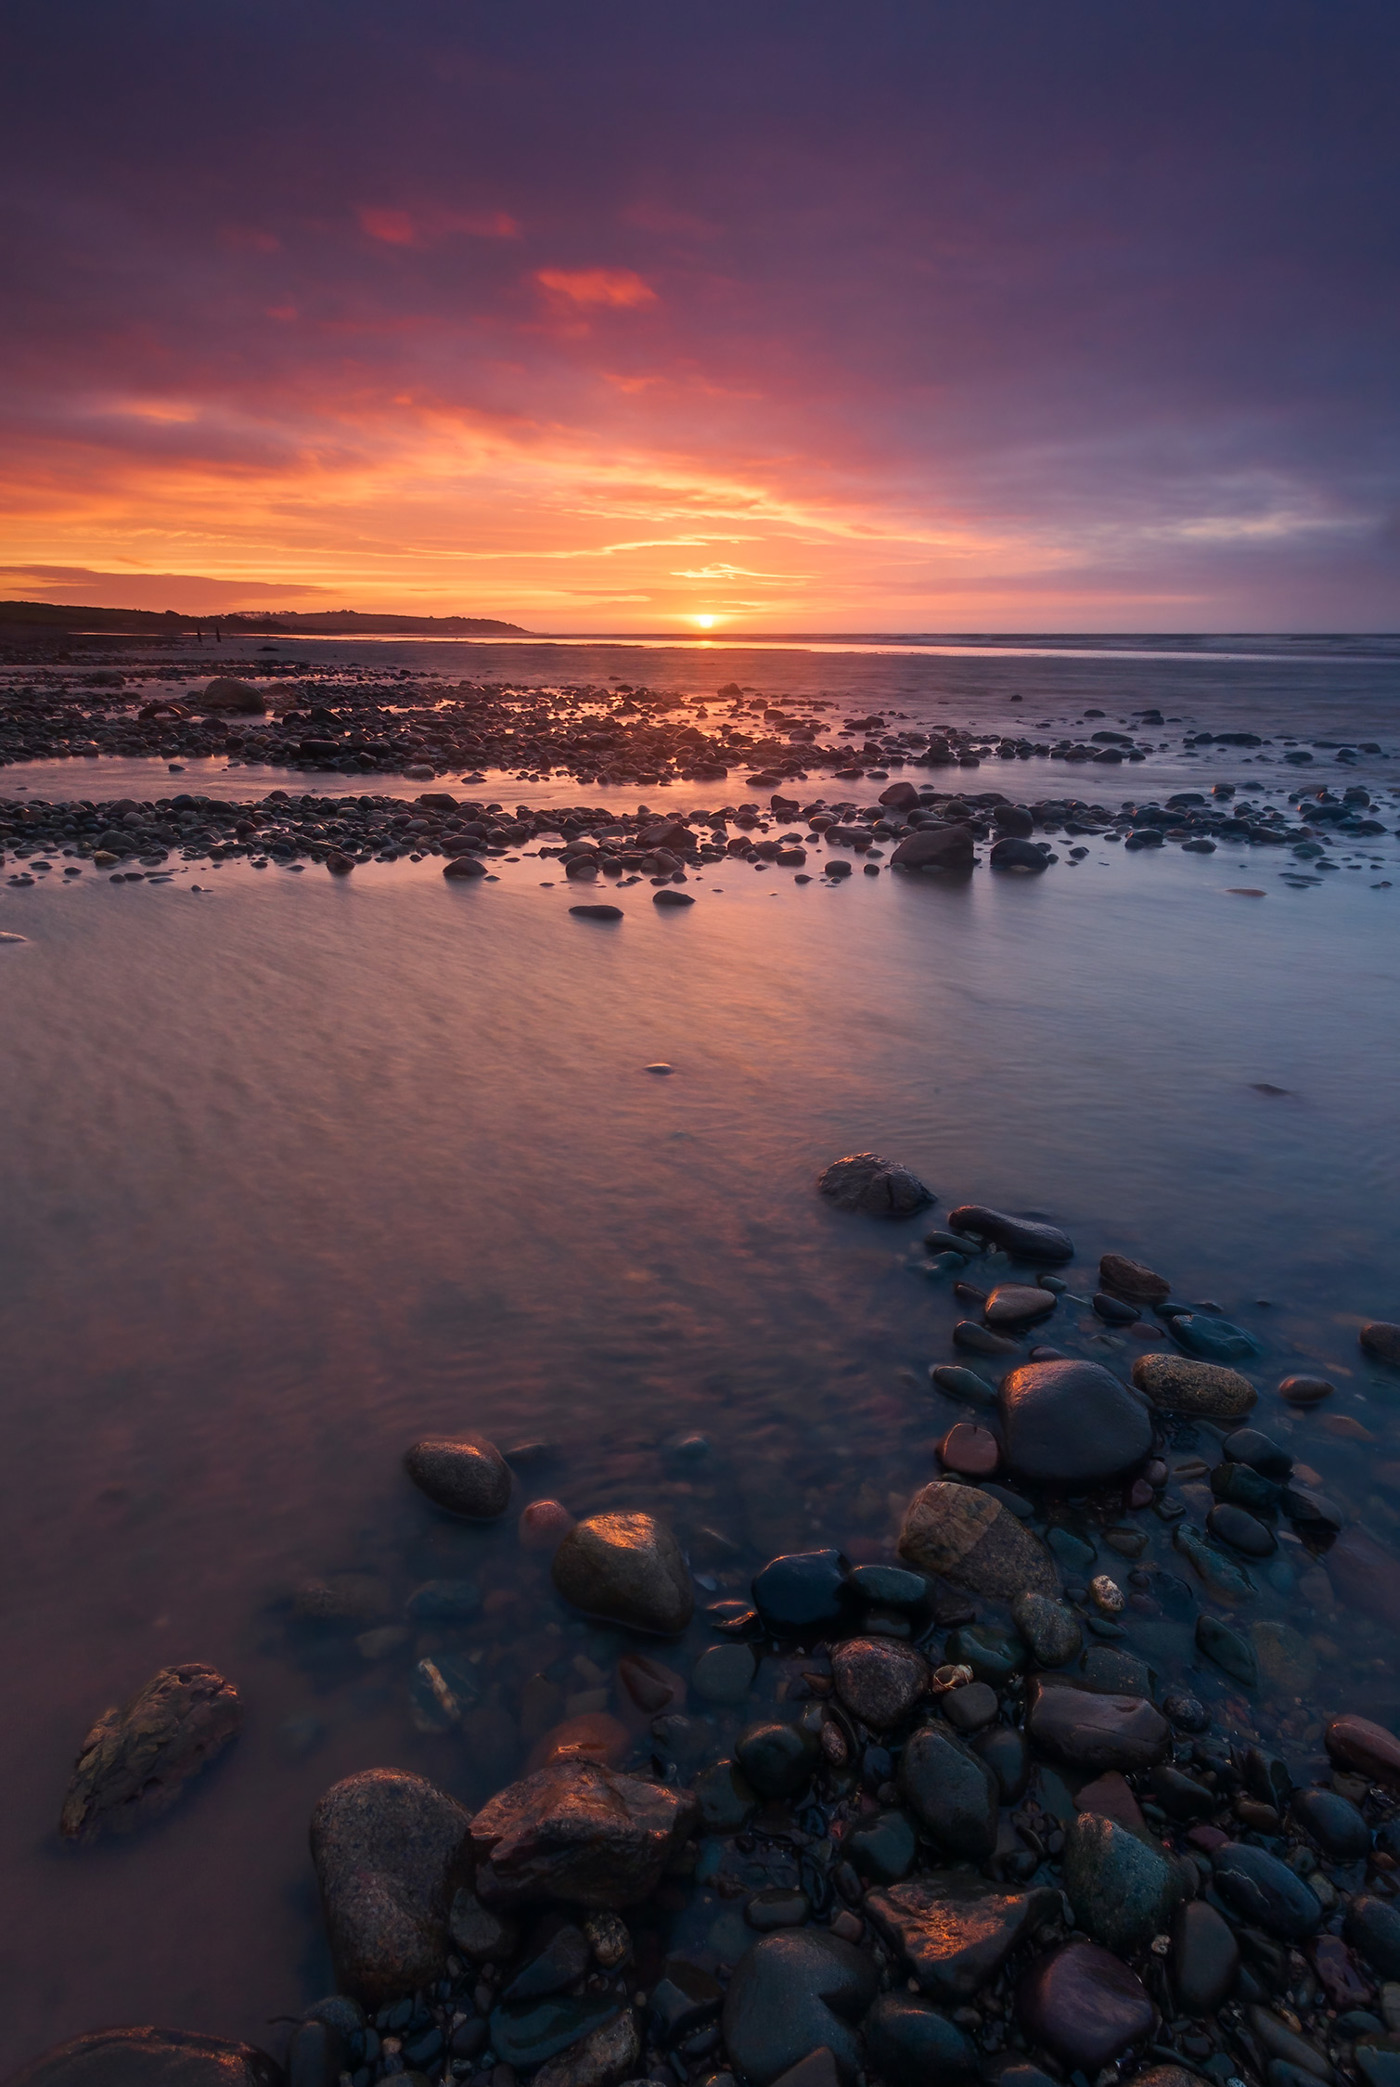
(576, 1830)
(966, 1536)
(389, 1850)
(466, 1474)
(1071, 1424)
(874, 1186)
(224, 693)
(935, 848)
(149, 2058)
(136, 1760)
(627, 1568)
(793, 1993)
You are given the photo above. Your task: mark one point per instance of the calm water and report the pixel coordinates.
(297, 1169)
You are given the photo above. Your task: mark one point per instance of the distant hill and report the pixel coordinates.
(49, 615)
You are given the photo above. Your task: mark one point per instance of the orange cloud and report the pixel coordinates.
(605, 286)
(406, 228)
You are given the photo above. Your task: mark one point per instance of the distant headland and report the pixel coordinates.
(65, 616)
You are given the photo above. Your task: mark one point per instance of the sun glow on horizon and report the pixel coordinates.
(705, 622)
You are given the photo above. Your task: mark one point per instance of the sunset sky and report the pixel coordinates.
(956, 315)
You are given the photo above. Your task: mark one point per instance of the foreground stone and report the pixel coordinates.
(1132, 1280)
(1204, 1390)
(1121, 1889)
(136, 1760)
(911, 2044)
(1085, 2005)
(465, 1474)
(627, 1568)
(577, 1831)
(1023, 1237)
(935, 848)
(1381, 1341)
(792, 1994)
(952, 1792)
(971, 1539)
(389, 1850)
(879, 1680)
(1071, 1424)
(874, 1186)
(1086, 1730)
(956, 1930)
(1367, 1749)
(150, 2058)
(1050, 1629)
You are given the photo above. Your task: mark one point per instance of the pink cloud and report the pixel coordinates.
(425, 227)
(619, 287)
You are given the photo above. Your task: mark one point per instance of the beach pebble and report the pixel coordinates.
(1018, 1304)
(1086, 1729)
(1362, 1747)
(1132, 1280)
(599, 912)
(911, 2043)
(627, 1568)
(961, 1533)
(879, 1680)
(955, 1930)
(389, 1849)
(935, 848)
(1122, 1890)
(971, 1451)
(669, 896)
(1050, 1629)
(580, 1832)
(804, 1592)
(465, 1474)
(137, 1759)
(951, 1791)
(1071, 1424)
(150, 2058)
(543, 1523)
(1381, 1341)
(1024, 1238)
(795, 1993)
(1084, 2004)
(1263, 1892)
(874, 1186)
(1204, 1959)
(1200, 1390)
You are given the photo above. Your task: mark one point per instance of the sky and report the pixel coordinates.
(917, 315)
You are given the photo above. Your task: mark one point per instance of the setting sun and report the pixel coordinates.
(705, 622)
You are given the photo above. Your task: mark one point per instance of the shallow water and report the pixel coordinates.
(298, 1169)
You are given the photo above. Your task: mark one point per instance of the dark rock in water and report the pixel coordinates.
(1087, 1730)
(669, 896)
(603, 2058)
(1071, 1424)
(683, 2000)
(479, 1933)
(1014, 819)
(1229, 1649)
(1181, 1797)
(1373, 1928)
(1338, 1828)
(1362, 1571)
(964, 1535)
(1263, 1891)
(1131, 1280)
(137, 1759)
(577, 1831)
(389, 1849)
(563, 1960)
(879, 1680)
(1022, 1237)
(876, 1187)
(150, 2058)
(224, 693)
(883, 1848)
(1200, 1390)
(955, 1930)
(1377, 2062)
(465, 866)
(1018, 1304)
(1239, 1529)
(1121, 1890)
(952, 1791)
(465, 1474)
(1204, 1960)
(770, 1910)
(1213, 1340)
(804, 1592)
(890, 1587)
(1292, 2060)
(444, 1601)
(792, 1994)
(1259, 1451)
(818, 2068)
(1305, 1391)
(1084, 2005)
(777, 1760)
(911, 2044)
(935, 848)
(1016, 853)
(993, 1655)
(525, 2035)
(627, 1568)
(1050, 1629)
(1113, 1310)
(902, 795)
(1006, 1753)
(1364, 1748)
(596, 912)
(1381, 1341)
(981, 1340)
(725, 1799)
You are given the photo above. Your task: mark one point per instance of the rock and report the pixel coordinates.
(970, 1708)
(883, 1848)
(1225, 1580)
(725, 1799)
(137, 1759)
(1214, 1340)
(1024, 1238)
(684, 1999)
(1305, 1391)
(1230, 1650)
(951, 1791)
(1086, 1730)
(669, 896)
(1050, 1629)
(1362, 1571)
(527, 2034)
(804, 1592)
(817, 2069)
(466, 1474)
(1239, 1529)
(466, 866)
(389, 1850)
(1015, 853)
(935, 848)
(604, 2058)
(879, 1679)
(1014, 818)
(1204, 1959)
(578, 1831)
(1071, 1424)
(1381, 1341)
(876, 1187)
(791, 1994)
(1368, 1749)
(955, 1930)
(1372, 1927)
(593, 1735)
(775, 1759)
(1292, 2060)
(1201, 1390)
(1263, 1891)
(596, 912)
(1336, 1825)
(1018, 1304)
(1004, 1749)
(542, 1524)
(627, 1568)
(965, 1536)
(477, 1932)
(902, 795)
(1130, 1279)
(971, 1451)
(1121, 1890)
(723, 1674)
(149, 2058)
(912, 2045)
(560, 1964)
(224, 693)
(1286, 1660)
(1084, 2005)
(347, 1597)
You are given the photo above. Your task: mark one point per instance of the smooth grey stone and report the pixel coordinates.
(1204, 1960)
(951, 1791)
(911, 2044)
(791, 1994)
(1263, 1891)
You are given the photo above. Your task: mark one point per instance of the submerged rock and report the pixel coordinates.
(966, 1536)
(389, 1850)
(879, 1680)
(1050, 1629)
(955, 1929)
(804, 1591)
(465, 1474)
(1084, 2005)
(137, 1759)
(627, 1568)
(149, 2058)
(1259, 1889)
(911, 2043)
(1131, 1280)
(952, 1791)
(1071, 1424)
(576, 1830)
(1025, 1238)
(792, 1994)
(1368, 1749)
(1121, 1889)
(1202, 1390)
(874, 1186)
(1381, 1341)
(1085, 1729)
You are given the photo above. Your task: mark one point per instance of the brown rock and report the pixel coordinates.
(1205, 1390)
(1088, 1730)
(971, 1451)
(1305, 1391)
(609, 2055)
(877, 1187)
(149, 2058)
(465, 1474)
(1365, 1748)
(627, 1568)
(593, 1735)
(389, 1850)
(1111, 1796)
(955, 1930)
(578, 1831)
(136, 1760)
(879, 1680)
(225, 693)
(1381, 1341)
(1084, 2005)
(1131, 1280)
(967, 1537)
(1018, 1304)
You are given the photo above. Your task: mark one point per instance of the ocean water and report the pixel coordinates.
(296, 1170)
